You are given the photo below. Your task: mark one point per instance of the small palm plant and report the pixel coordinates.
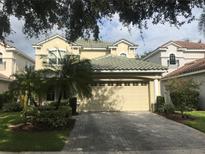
(26, 83)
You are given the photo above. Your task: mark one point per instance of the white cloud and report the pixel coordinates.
(113, 30)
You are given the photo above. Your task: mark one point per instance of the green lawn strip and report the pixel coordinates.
(198, 122)
(28, 141)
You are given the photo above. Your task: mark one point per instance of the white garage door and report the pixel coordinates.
(118, 96)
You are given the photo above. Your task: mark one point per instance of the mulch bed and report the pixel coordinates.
(29, 127)
(177, 117)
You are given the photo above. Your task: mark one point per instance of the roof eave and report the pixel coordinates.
(130, 71)
(183, 75)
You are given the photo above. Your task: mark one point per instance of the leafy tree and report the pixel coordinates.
(81, 18)
(72, 76)
(184, 94)
(202, 23)
(145, 54)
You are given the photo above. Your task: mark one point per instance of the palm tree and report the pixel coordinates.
(71, 75)
(27, 84)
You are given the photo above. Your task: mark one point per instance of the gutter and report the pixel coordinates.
(130, 71)
(184, 75)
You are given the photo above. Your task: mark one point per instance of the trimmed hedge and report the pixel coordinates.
(4, 98)
(159, 107)
(11, 107)
(48, 116)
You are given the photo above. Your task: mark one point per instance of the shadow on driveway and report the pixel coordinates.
(131, 131)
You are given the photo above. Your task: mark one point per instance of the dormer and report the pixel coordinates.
(124, 48)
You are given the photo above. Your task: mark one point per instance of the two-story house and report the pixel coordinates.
(175, 54)
(122, 82)
(11, 61)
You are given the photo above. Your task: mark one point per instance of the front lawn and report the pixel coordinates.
(198, 121)
(28, 140)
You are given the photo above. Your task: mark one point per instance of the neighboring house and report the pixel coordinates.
(122, 82)
(175, 54)
(11, 62)
(194, 70)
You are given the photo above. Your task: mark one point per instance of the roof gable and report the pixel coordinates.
(124, 41)
(53, 37)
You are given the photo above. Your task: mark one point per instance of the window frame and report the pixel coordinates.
(172, 59)
(1, 58)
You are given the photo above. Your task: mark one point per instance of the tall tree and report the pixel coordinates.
(81, 18)
(202, 22)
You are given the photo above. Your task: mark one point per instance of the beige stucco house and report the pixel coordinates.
(11, 61)
(122, 83)
(174, 54)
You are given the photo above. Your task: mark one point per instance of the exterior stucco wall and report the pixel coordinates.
(4, 86)
(123, 48)
(12, 61)
(156, 58)
(7, 67)
(52, 44)
(20, 63)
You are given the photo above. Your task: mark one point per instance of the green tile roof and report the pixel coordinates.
(92, 43)
(119, 63)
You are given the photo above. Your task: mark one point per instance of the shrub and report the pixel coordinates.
(48, 116)
(185, 101)
(169, 108)
(160, 104)
(11, 107)
(4, 98)
(54, 104)
(184, 94)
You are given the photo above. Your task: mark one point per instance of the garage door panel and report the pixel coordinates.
(117, 98)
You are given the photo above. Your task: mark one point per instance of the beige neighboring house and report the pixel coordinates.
(175, 54)
(11, 62)
(122, 83)
(194, 70)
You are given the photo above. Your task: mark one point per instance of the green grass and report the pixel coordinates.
(28, 141)
(199, 120)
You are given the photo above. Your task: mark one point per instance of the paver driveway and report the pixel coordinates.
(137, 131)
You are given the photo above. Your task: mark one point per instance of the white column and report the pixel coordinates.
(156, 88)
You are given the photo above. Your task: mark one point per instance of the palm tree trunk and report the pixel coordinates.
(59, 98)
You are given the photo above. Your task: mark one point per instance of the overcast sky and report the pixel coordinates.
(113, 30)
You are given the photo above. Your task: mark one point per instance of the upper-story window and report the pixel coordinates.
(123, 54)
(55, 56)
(1, 58)
(172, 59)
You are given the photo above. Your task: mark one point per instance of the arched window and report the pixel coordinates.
(123, 55)
(172, 59)
(1, 58)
